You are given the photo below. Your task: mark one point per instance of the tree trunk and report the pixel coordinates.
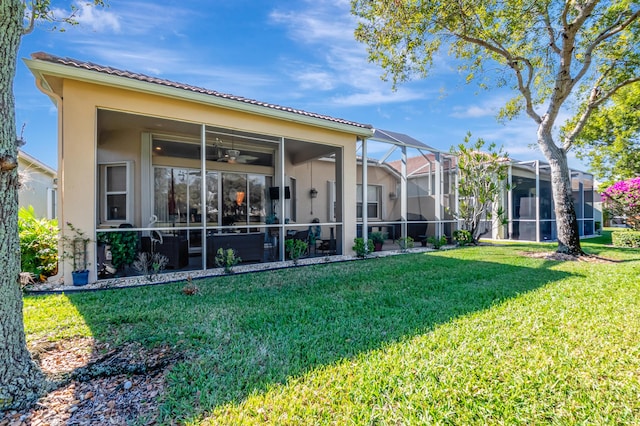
(21, 381)
(566, 220)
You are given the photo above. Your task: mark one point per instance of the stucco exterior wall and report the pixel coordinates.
(35, 186)
(382, 177)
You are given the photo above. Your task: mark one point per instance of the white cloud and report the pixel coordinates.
(137, 57)
(383, 114)
(153, 19)
(315, 79)
(489, 107)
(169, 64)
(340, 64)
(88, 17)
(126, 19)
(320, 23)
(374, 97)
(99, 20)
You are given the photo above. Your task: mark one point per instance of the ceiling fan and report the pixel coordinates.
(231, 156)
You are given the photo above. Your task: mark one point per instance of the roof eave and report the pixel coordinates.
(37, 163)
(40, 68)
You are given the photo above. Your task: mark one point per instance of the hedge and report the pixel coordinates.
(626, 238)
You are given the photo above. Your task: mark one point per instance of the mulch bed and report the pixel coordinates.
(97, 385)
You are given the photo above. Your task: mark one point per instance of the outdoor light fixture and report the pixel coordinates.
(313, 193)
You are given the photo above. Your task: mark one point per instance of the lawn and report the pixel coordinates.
(479, 335)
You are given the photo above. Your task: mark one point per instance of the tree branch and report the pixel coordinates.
(552, 36)
(32, 19)
(564, 83)
(606, 34)
(596, 98)
(515, 63)
(563, 18)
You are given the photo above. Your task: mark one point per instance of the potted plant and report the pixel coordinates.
(75, 249)
(378, 240)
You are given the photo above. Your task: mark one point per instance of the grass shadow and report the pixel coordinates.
(246, 333)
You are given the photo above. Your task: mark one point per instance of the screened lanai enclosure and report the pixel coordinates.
(186, 190)
(530, 204)
(411, 191)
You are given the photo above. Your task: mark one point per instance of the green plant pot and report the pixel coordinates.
(80, 278)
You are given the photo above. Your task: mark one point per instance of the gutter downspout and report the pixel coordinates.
(365, 193)
(40, 84)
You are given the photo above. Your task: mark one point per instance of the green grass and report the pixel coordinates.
(477, 335)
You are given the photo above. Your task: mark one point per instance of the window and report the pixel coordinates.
(374, 197)
(116, 193)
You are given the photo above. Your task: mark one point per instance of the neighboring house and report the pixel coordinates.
(38, 186)
(528, 205)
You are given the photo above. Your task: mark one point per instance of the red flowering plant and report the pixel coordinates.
(623, 199)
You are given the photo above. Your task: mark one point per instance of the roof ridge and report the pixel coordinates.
(91, 66)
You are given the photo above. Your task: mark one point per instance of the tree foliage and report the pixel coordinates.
(482, 175)
(623, 199)
(549, 52)
(38, 244)
(610, 140)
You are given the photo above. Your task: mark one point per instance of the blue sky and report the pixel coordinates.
(299, 54)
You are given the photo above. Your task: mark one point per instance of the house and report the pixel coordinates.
(528, 204)
(188, 170)
(38, 186)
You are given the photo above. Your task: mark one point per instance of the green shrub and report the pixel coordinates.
(227, 259)
(38, 244)
(627, 238)
(362, 249)
(438, 242)
(295, 248)
(405, 243)
(124, 246)
(462, 237)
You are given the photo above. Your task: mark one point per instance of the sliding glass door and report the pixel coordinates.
(177, 201)
(243, 199)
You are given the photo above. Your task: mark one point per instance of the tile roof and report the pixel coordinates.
(43, 56)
